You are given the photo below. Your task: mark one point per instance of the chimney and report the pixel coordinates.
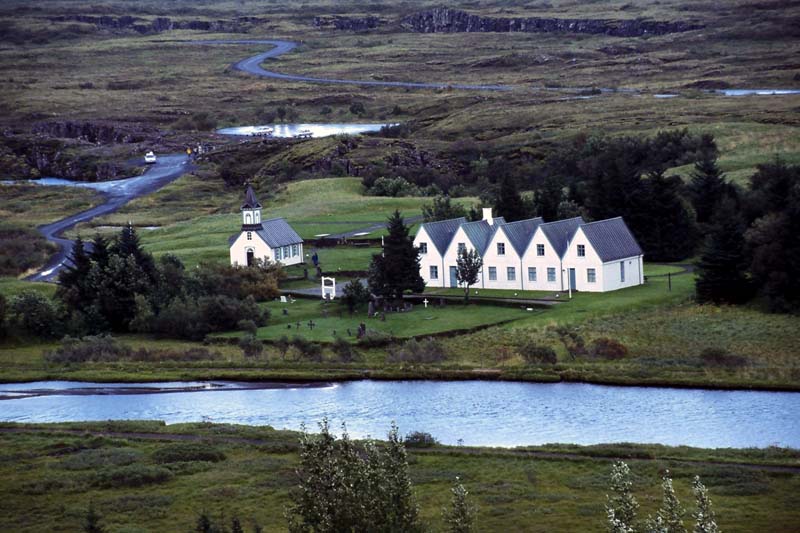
(487, 215)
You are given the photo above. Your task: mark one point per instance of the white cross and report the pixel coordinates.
(425, 301)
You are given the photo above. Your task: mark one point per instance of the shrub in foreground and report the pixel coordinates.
(537, 353)
(428, 350)
(187, 451)
(609, 349)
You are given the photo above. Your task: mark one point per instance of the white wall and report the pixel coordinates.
(451, 257)
(608, 274)
(238, 251)
(550, 259)
(432, 257)
(501, 262)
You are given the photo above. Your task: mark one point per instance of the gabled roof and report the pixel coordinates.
(250, 200)
(611, 239)
(521, 232)
(559, 233)
(480, 232)
(277, 232)
(441, 232)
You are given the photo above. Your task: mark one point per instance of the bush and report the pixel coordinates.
(187, 451)
(537, 353)
(609, 349)
(248, 326)
(135, 475)
(34, 314)
(354, 294)
(393, 187)
(307, 349)
(420, 439)
(721, 357)
(91, 348)
(344, 350)
(251, 346)
(375, 339)
(413, 351)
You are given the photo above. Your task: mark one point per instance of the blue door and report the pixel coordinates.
(453, 281)
(572, 278)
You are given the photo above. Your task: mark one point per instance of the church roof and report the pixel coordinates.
(277, 232)
(250, 200)
(611, 239)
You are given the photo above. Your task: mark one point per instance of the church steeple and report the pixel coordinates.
(251, 211)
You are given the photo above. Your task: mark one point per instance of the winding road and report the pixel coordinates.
(117, 193)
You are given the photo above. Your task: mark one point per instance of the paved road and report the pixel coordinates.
(252, 65)
(117, 193)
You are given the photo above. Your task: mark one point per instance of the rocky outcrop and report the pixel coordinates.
(161, 24)
(446, 20)
(348, 23)
(95, 132)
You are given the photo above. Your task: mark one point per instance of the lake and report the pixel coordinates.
(479, 413)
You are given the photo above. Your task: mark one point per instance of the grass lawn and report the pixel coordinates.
(58, 474)
(419, 321)
(12, 286)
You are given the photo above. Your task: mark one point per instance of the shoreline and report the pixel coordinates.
(273, 380)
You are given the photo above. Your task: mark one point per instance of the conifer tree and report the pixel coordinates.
(670, 233)
(100, 250)
(723, 262)
(669, 518)
(460, 517)
(72, 286)
(707, 187)
(705, 520)
(622, 505)
(396, 270)
(509, 204)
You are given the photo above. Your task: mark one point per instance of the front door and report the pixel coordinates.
(249, 257)
(453, 280)
(572, 278)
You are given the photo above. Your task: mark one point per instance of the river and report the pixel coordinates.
(479, 413)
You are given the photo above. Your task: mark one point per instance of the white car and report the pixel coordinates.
(150, 158)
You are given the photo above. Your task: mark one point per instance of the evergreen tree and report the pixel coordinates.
(622, 505)
(669, 518)
(72, 289)
(92, 523)
(468, 268)
(128, 244)
(723, 263)
(771, 188)
(705, 521)
(460, 517)
(396, 270)
(548, 198)
(3, 313)
(100, 250)
(508, 203)
(670, 234)
(707, 186)
(442, 208)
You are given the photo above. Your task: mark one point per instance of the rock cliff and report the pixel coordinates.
(446, 20)
(160, 24)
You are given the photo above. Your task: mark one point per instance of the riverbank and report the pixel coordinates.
(248, 471)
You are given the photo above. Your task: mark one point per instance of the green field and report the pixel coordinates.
(56, 470)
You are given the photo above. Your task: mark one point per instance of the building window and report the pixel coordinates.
(434, 272)
(622, 271)
(531, 273)
(551, 274)
(501, 248)
(277, 254)
(295, 250)
(492, 273)
(423, 247)
(286, 251)
(581, 250)
(591, 275)
(540, 249)
(249, 235)
(511, 273)
(461, 247)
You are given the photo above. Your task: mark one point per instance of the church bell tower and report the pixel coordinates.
(251, 211)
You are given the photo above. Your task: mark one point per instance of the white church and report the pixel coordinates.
(533, 254)
(272, 239)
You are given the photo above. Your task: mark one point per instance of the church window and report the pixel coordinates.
(249, 235)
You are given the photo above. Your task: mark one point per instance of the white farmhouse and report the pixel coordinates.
(533, 255)
(272, 239)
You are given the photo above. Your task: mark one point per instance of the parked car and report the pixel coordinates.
(150, 158)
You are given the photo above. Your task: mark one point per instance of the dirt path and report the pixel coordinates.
(449, 450)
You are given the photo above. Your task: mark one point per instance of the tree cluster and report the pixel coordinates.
(118, 286)
(396, 269)
(622, 507)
